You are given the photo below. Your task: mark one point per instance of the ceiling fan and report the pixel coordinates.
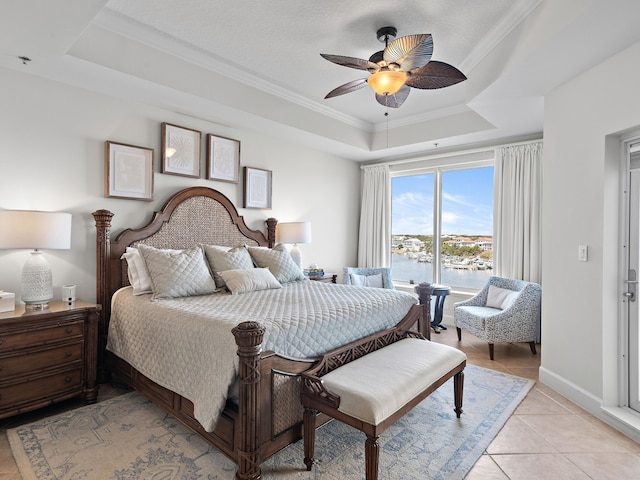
(404, 63)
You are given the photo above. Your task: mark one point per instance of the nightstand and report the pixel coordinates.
(328, 278)
(47, 356)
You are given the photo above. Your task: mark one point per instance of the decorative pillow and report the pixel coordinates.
(177, 273)
(137, 271)
(226, 258)
(366, 280)
(500, 298)
(242, 281)
(278, 260)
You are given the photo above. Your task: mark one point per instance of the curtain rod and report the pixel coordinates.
(451, 154)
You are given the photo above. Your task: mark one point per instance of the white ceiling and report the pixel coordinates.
(256, 64)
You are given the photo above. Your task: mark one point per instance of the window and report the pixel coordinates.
(442, 226)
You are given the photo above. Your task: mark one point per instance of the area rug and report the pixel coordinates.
(128, 437)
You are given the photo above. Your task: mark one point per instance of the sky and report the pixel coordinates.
(467, 203)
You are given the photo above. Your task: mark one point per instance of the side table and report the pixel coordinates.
(327, 278)
(47, 356)
(440, 292)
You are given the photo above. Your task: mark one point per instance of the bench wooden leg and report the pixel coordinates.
(371, 456)
(458, 387)
(309, 433)
(491, 351)
(533, 347)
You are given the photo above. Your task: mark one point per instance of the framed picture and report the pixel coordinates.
(180, 151)
(223, 159)
(257, 188)
(128, 171)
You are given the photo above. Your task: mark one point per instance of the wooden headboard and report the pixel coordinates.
(191, 216)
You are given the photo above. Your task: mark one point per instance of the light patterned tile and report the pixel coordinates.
(517, 437)
(562, 400)
(607, 466)
(537, 403)
(629, 443)
(486, 469)
(539, 467)
(7, 463)
(572, 434)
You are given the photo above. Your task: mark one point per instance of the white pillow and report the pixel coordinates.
(137, 271)
(366, 280)
(500, 298)
(243, 280)
(279, 261)
(177, 273)
(226, 258)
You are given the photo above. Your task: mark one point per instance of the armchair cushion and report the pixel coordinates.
(353, 276)
(500, 298)
(366, 280)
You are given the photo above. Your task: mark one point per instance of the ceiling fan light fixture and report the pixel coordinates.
(387, 82)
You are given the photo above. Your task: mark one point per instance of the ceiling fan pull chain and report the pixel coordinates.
(386, 114)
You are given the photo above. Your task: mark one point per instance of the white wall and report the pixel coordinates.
(584, 119)
(52, 158)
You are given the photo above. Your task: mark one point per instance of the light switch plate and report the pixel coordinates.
(583, 253)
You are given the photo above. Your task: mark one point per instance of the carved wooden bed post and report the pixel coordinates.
(424, 291)
(249, 337)
(103, 250)
(271, 231)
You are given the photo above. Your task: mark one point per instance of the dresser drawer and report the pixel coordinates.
(46, 386)
(41, 336)
(41, 359)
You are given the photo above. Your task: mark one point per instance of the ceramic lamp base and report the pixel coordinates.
(37, 285)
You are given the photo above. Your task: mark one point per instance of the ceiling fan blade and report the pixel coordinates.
(410, 52)
(351, 62)
(395, 100)
(347, 88)
(434, 75)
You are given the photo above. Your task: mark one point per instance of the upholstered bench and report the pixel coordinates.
(373, 384)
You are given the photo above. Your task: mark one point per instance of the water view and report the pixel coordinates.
(405, 269)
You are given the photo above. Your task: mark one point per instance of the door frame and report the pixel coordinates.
(629, 359)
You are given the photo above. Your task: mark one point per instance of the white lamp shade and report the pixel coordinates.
(33, 229)
(294, 232)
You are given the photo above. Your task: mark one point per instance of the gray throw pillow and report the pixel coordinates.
(177, 273)
(278, 260)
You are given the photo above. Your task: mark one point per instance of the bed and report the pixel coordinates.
(263, 414)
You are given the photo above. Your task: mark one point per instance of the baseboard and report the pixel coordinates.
(623, 419)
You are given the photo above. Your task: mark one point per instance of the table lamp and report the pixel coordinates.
(36, 230)
(295, 233)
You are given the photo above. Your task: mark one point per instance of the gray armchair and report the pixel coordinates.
(504, 311)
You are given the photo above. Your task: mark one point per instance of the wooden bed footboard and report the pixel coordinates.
(267, 415)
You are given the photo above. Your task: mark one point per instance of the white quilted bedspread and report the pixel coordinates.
(186, 344)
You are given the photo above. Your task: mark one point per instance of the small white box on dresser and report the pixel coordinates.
(7, 301)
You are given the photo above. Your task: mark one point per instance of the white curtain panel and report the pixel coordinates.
(374, 245)
(517, 211)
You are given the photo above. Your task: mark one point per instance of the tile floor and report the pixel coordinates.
(547, 437)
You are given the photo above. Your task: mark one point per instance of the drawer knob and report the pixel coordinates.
(68, 354)
(69, 330)
(67, 379)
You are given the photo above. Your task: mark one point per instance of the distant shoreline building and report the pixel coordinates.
(412, 244)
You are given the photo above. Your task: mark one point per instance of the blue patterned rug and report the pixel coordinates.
(129, 438)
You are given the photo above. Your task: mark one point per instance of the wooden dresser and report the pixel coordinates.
(47, 356)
